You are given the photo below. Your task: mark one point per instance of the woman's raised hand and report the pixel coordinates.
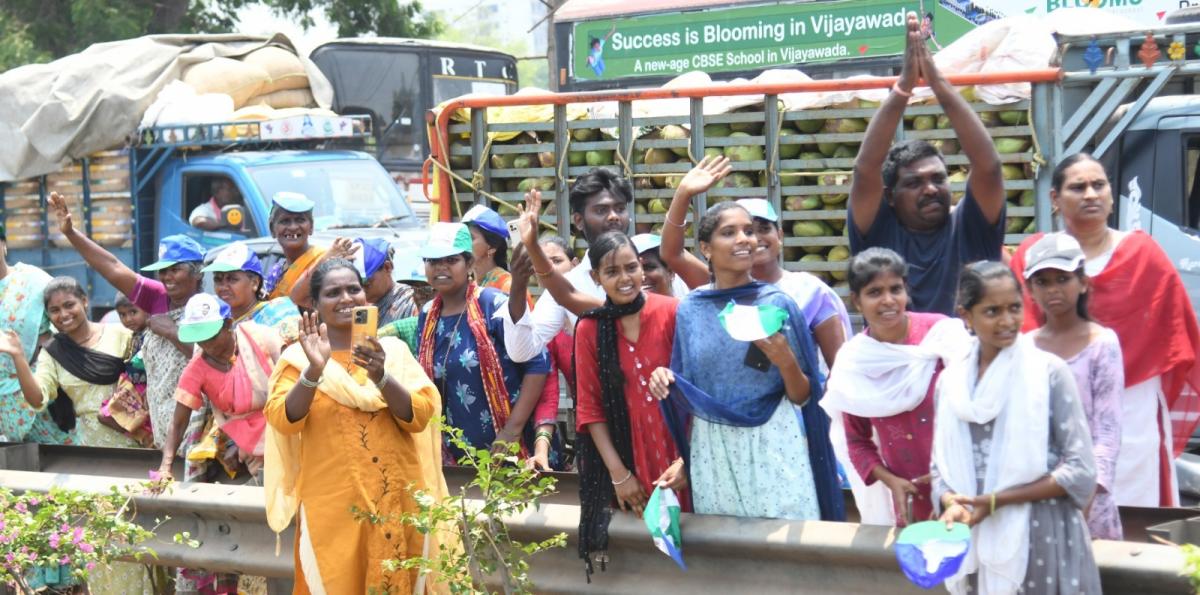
(62, 214)
(704, 175)
(10, 344)
(314, 339)
(343, 248)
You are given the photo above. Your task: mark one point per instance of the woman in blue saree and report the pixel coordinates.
(758, 444)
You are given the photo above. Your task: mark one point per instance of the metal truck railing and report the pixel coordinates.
(792, 158)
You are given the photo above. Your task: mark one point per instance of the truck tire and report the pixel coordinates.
(1183, 15)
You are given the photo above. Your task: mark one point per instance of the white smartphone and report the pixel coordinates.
(514, 234)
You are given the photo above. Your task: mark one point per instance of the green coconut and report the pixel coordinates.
(1016, 224)
(717, 130)
(659, 156)
(845, 151)
(599, 158)
(737, 179)
(808, 126)
(577, 158)
(811, 229)
(524, 161)
(460, 161)
(658, 206)
(1007, 145)
(504, 161)
(924, 122)
(673, 132)
(1013, 117)
(743, 152)
(583, 135)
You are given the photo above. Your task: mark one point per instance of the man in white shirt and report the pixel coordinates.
(207, 215)
(600, 201)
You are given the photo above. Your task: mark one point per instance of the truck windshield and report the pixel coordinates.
(347, 193)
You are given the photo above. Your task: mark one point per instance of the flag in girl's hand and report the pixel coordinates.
(662, 519)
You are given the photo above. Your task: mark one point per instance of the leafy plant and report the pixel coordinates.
(1191, 565)
(65, 531)
(483, 548)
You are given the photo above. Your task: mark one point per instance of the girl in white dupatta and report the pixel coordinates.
(880, 395)
(1012, 455)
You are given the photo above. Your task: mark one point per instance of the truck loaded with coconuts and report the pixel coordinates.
(1128, 97)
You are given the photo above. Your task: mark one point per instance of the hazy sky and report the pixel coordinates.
(259, 20)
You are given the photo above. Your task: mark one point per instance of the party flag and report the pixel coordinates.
(929, 553)
(751, 323)
(662, 519)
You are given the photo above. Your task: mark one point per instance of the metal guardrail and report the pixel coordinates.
(724, 554)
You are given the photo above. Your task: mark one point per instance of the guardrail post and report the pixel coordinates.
(478, 159)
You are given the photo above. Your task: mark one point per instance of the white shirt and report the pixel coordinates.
(527, 337)
(205, 210)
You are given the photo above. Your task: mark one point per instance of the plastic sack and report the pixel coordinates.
(239, 80)
(284, 69)
(1004, 45)
(179, 104)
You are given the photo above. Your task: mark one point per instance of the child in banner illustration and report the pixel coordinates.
(595, 59)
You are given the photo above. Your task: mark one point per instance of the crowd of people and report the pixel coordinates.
(1026, 396)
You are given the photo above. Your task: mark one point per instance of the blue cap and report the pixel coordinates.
(408, 267)
(446, 239)
(759, 208)
(293, 202)
(645, 242)
(372, 253)
(236, 257)
(175, 249)
(487, 220)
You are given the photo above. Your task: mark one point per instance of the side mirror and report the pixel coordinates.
(233, 216)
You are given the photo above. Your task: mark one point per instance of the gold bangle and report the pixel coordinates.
(542, 275)
(993, 503)
(617, 483)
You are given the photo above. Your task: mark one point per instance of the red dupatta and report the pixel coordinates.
(1141, 297)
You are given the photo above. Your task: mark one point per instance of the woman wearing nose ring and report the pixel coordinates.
(461, 347)
(349, 430)
(1135, 291)
(291, 225)
(759, 443)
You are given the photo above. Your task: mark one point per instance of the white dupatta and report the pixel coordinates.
(871, 378)
(1014, 394)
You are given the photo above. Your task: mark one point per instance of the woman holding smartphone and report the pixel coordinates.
(461, 347)
(349, 430)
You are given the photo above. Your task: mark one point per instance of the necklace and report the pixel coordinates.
(450, 337)
(93, 335)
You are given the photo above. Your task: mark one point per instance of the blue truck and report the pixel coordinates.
(128, 199)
